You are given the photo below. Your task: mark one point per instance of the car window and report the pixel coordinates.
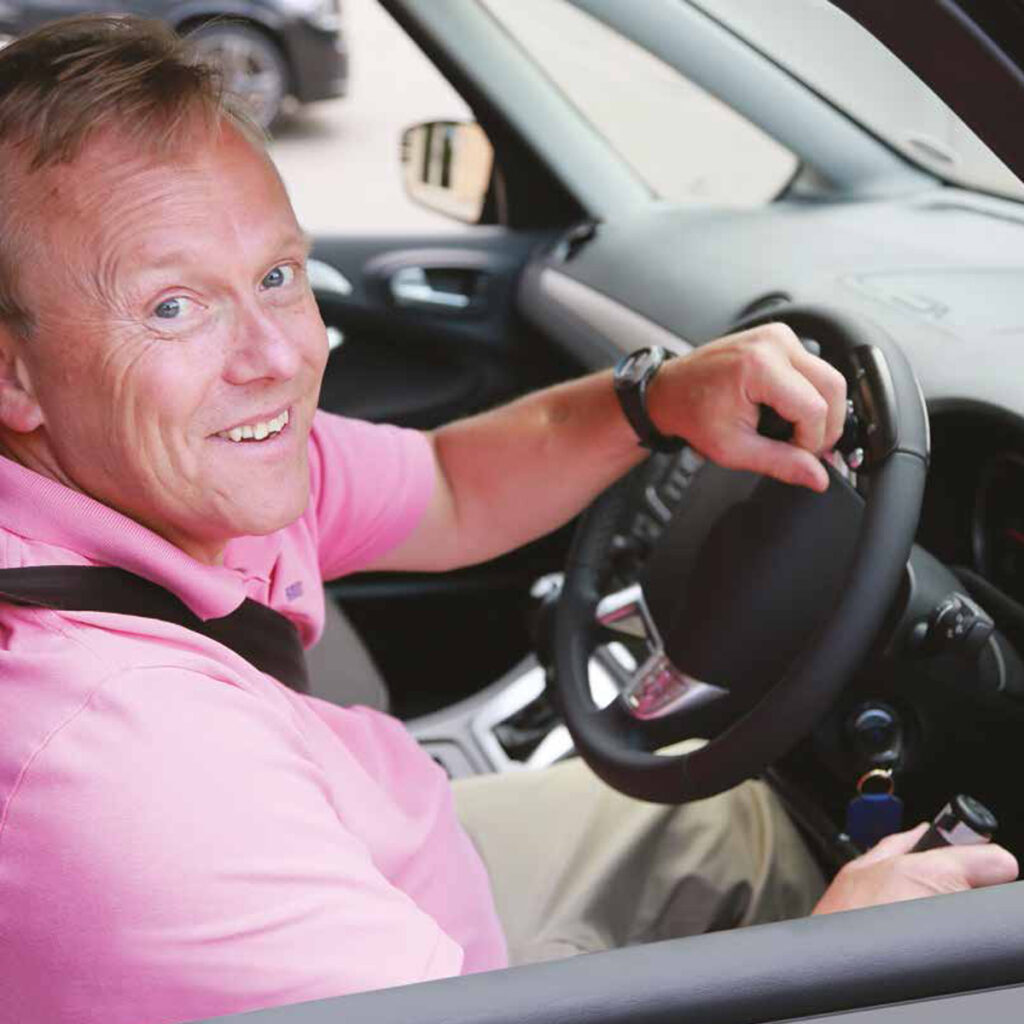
(340, 159)
(687, 145)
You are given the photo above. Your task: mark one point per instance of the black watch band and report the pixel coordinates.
(632, 377)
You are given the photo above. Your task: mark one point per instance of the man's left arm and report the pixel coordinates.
(513, 474)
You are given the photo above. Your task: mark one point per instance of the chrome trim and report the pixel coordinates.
(323, 277)
(660, 689)
(516, 696)
(626, 612)
(411, 287)
(656, 688)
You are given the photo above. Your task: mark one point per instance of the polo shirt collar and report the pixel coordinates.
(38, 508)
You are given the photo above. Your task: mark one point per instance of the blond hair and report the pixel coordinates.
(67, 81)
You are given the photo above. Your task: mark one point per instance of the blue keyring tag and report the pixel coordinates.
(871, 817)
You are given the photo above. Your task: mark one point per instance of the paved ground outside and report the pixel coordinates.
(339, 159)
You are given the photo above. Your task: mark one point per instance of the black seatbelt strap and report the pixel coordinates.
(260, 635)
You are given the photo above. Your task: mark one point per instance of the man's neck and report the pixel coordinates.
(32, 452)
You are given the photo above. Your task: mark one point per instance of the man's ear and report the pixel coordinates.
(19, 410)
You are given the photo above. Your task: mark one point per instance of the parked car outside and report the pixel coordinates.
(268, 50)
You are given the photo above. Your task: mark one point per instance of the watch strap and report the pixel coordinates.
(632, 378)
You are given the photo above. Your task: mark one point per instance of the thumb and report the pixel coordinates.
(895, 845)
(985, 864)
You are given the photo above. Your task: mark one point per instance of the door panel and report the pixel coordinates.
(419, 360)
(430, 331)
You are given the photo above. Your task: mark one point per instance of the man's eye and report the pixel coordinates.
(171, 309)
(279, 277)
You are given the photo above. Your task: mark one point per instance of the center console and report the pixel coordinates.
(511, 725)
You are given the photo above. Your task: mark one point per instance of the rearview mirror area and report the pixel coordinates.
(447, 167)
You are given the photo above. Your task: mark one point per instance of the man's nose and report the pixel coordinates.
(261, 349)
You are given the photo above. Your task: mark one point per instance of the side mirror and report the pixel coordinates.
(447, 166)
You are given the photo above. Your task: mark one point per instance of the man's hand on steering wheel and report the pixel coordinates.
(712, 398)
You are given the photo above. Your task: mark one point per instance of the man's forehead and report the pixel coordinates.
(162, 207)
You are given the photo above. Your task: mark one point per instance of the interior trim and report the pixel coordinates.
(618, 328)
(918, 949)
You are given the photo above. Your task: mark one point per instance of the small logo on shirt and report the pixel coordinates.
(293, 590)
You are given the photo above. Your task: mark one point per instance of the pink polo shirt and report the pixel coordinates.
(181, 836)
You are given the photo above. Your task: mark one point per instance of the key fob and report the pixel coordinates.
(873, 816)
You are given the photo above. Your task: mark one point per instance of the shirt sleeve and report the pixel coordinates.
(196, 867)
(370, 485)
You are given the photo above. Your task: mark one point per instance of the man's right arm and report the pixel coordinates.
(889, 872)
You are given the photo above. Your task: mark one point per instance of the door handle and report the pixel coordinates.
(410, 286)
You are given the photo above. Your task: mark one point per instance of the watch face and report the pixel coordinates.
(635, 367)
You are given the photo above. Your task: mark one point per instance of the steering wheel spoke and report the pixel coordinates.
(654, 688)
(624, 614)
(658, 689)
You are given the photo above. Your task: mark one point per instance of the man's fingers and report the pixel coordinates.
(785, 462)
(782, 386)
(831, 385)
(979, 866)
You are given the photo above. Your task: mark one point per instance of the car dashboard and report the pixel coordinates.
(942, 272)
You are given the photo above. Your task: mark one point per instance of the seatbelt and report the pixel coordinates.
(260, 635)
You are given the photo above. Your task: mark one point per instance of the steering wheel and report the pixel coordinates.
(759, 600)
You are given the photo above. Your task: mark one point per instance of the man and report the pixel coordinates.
(181, 836)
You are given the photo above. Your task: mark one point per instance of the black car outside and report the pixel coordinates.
(267, 49)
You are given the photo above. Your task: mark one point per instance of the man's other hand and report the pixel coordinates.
(712, 397)
(889, 872)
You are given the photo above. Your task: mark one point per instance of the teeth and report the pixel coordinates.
(256, 431)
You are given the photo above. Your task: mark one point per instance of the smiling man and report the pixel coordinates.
(180, 834)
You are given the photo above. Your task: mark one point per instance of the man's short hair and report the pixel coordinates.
(69, 80)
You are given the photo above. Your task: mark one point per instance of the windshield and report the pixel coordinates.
(829, 51)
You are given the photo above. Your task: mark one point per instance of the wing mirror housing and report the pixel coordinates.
(447, 166)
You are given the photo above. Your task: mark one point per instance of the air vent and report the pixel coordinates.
(574, 240)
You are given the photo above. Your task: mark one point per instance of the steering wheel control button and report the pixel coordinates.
(656, 504)
(850, 439)
(958, 625)
(964, 821)
(645, 528)
(674, 478)
(874, 399)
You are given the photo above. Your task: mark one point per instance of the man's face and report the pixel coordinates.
(174, 316)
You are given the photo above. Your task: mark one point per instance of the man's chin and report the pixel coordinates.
(268, 521)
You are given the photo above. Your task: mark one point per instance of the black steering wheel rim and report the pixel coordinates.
(615, 744)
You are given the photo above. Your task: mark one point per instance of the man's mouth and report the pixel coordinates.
(258, 430)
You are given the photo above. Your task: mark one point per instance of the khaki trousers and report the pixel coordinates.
(577, 868)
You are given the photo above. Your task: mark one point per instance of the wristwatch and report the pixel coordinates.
(632, 377)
